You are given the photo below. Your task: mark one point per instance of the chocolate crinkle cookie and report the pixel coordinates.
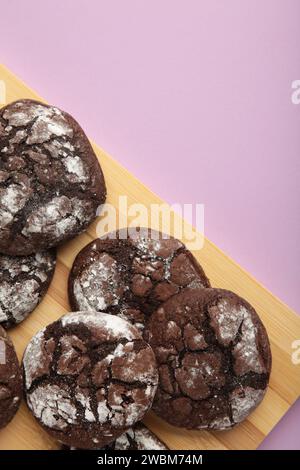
(139, 437)
(88, 378)
(131, 274)
(10, 380)
(24, 281)
(51, 183)
(213, 356)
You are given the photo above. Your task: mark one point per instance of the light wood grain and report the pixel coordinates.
(282, 323)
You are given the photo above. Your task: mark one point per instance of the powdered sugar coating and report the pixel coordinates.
(52, 406)
(243, 401)
(220, 424)
(139, 437)
(115, 327)
(213, 356)
(132, 274)
(10, 380)
(76, 169)
(23, 283)
(227, 320)
(13, 198)
(47, 169)
(18, 115)
(85, 401)
(33, 357)
(155, 245)
(246, 354)
(18, 302)
(58, 217)
(98, 367)
(99, 277)
(146, 440)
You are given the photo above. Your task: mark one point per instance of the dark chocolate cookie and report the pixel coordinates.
(213, 356)
(51, 183)
(88, 378)
(24, 281)
(10, 380)
(132, 275)
(139, 437)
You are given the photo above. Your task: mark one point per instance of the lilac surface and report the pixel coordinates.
(194, 97)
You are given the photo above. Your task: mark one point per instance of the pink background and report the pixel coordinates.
(194, 97)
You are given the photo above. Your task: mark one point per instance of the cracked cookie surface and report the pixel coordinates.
(139, 437)
(132, 275)
(89, 377)
(24, 281)
(10, 380)
(213, 356)
(51, 183)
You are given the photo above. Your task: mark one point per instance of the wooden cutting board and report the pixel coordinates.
(282, 324)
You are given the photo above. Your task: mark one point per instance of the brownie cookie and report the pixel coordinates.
(213, 356)
(51, 183)
(24, 281)
(136, 438)
(10, 379)
(88, 378)
(132, 275)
